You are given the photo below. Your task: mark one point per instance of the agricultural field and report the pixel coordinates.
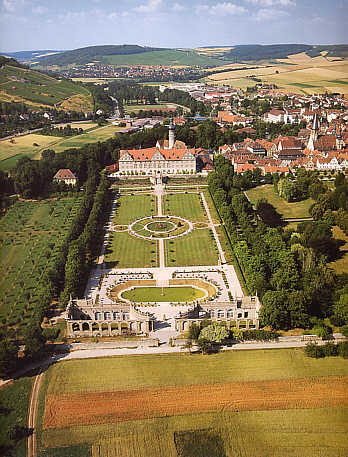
(14, 401)
(23, 146)
(186, 205)
(262, 403)
(293, 210)
(37, 89)
(99, 134)
(298, 73)
(12, 150)
(169, 57)
(31, 234)
(341, 265)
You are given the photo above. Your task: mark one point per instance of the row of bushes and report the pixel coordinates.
(329, 349)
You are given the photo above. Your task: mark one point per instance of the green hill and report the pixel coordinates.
(282, 51)
(18, 84)
(127, 55)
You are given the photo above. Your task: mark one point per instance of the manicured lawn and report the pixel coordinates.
(167, 294)
(185, 205)
(133, 207)
(31, 235)
(287, 210)
(14, 400)
(196, 248)
(127, 251)
(341, 265)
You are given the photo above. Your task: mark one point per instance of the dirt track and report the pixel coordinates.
(125, 405)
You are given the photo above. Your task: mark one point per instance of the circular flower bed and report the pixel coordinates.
(160, 227)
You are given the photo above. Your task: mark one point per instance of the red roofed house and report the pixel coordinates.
(65, 175)
(167, 157)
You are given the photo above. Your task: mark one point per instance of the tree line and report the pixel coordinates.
(288, 270)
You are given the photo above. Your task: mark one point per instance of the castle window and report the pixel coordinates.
(107, 315)
(98, 316)
(116, 315)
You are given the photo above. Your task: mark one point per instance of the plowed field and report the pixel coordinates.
(125, 405)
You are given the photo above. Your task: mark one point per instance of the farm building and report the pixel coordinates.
(66, 176)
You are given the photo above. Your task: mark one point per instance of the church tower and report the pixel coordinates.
(171, 137)
(314, 133)
(339, 141)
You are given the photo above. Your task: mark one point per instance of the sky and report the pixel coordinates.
(71, 24)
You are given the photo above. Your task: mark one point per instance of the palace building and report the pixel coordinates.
(168, 157)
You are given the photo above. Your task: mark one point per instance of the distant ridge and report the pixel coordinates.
(85, 55)
(27, 56)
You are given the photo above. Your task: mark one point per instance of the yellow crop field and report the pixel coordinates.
(100, 134)
(303, 75)
(24, 145)
(12, 150)
(80, 125)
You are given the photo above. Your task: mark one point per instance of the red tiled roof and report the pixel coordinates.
(148, 153)
(64, 173)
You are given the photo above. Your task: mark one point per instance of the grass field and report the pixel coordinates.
(169, 57)
(188, 206)
(165, 294)
(298, 73)
(341, 265)
(287, 210)
(31, 234)
(299, 431)
(196, 248)
(133, 207)
(136, 108)
(125, 250)
(10, 153)
(37, 89)
(14, 401)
